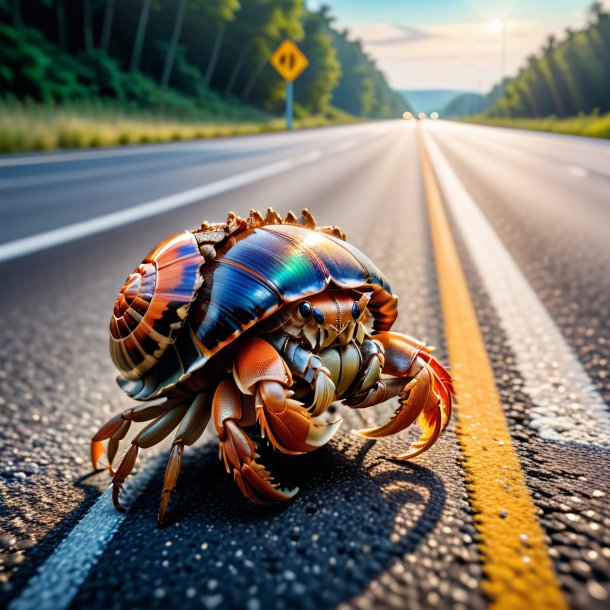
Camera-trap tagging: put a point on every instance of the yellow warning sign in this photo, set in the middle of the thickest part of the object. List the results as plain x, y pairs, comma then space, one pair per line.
289, 60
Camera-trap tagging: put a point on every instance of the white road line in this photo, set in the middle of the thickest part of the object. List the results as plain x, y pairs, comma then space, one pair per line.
55, 237
58, 579
345, 146
567, 408
86, 155
59, 176
594, 145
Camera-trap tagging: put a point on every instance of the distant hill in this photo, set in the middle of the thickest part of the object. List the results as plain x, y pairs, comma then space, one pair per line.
430, 100
469, 103
465, 104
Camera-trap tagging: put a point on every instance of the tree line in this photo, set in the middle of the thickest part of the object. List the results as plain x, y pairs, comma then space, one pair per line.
568, 76
156, 52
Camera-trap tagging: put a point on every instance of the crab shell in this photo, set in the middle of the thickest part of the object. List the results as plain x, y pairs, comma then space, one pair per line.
153, 303
254, 274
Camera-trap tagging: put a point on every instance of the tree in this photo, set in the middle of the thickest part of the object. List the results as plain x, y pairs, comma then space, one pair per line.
107, 27
16, 12
223, 12
568, 77
263, 24
171, 54
138, 43
596, 12
316, 84
87, 26
60, 17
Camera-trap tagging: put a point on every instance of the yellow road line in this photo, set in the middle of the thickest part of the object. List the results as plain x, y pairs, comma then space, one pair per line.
517, 567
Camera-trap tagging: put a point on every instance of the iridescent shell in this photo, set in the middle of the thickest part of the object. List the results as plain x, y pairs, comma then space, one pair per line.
256, 270
153, 304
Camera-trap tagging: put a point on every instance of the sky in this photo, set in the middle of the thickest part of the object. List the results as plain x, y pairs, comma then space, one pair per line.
447, 44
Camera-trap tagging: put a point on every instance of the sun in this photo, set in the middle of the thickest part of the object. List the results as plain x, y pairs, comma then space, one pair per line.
496, 26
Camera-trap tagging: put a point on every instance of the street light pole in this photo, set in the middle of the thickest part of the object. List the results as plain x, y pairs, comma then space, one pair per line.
498, 26
503, 54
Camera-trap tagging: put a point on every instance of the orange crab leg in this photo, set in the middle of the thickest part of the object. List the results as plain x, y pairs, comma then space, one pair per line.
191, 428
426, 395
154, 433
259, 370
238, 451
116, 428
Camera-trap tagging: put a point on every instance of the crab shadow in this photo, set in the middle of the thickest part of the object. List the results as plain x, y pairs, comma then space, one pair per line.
356, 514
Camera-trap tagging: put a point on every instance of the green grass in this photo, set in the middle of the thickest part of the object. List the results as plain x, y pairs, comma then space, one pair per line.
592, 126
32, 127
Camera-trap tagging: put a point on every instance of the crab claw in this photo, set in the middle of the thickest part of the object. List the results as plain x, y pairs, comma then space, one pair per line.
287, 424
414, 398
238, 451
259, 370
418, 401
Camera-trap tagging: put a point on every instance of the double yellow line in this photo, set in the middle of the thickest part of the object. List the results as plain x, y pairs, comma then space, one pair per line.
517, 567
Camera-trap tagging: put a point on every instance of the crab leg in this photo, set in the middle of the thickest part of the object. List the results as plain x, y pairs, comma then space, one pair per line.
154, 433
423, 386
260, 371
191, 428
238, 451
117, 427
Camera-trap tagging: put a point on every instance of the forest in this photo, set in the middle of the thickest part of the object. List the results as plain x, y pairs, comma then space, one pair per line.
566, 78
186, 59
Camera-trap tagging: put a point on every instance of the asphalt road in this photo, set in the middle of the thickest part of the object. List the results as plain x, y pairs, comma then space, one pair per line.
364, 532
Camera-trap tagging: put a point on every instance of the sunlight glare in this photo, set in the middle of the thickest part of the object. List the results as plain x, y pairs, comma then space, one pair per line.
496, 26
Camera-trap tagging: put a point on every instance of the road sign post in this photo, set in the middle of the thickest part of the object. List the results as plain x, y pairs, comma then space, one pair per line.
289, 93
289, 61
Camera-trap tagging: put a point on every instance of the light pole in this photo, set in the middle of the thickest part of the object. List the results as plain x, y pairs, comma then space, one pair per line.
498, 26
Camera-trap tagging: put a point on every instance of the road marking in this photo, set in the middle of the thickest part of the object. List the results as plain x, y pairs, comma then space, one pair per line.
595, 145
58, 579
345, 146
518, 570
579, 172
79, 230
86, 155
567, 407
58, 176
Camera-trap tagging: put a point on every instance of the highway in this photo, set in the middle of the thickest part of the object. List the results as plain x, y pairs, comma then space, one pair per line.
529, 216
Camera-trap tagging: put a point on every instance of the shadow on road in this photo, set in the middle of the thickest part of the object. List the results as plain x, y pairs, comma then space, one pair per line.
357, 513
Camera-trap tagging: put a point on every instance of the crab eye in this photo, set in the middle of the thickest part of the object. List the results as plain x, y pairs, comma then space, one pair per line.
355, 310
305, 309
318, 315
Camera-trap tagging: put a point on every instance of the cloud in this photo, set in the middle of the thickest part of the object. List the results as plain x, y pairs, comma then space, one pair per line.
404, 35
386, 34
462, 55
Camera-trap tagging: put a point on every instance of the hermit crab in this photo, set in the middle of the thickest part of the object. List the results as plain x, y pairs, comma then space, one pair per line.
261, 321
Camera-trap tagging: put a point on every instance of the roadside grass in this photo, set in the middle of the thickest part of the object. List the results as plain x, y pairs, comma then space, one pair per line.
592, 126
28, 126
